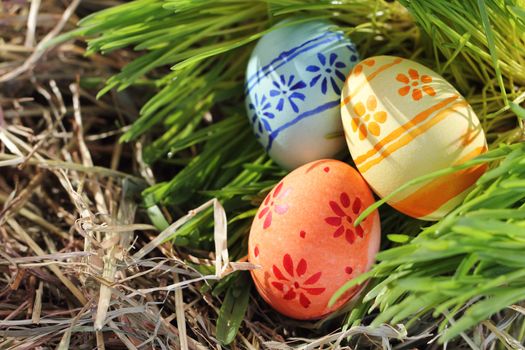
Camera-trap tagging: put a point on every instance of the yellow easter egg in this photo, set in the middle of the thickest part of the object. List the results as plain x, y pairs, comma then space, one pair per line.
402, 120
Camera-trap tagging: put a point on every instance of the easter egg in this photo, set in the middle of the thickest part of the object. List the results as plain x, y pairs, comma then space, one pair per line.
293, 85
403, 121
304, 242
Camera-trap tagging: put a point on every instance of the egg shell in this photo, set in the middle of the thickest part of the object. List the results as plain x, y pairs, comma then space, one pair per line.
304, 241
402, 121
293, 86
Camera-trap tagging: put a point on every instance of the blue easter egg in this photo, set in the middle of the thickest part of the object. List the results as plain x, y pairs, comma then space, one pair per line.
293, 85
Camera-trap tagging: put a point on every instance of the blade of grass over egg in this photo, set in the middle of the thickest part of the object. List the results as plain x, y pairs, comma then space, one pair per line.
482, 252
489, 156
352, 283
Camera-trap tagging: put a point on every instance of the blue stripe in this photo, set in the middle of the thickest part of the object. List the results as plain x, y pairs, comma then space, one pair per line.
300, 117
283, 55
287, 57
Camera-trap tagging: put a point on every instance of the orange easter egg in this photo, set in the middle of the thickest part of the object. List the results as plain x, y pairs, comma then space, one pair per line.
304, 242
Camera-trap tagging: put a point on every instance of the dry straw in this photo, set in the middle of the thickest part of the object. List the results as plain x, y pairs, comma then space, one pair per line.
142, 244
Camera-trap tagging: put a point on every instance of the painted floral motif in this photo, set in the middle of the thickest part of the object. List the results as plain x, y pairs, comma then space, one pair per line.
412, 82
261, 108
343, 220
272, 204
353, 50
293, 283
328, 70
287, 91
368, 118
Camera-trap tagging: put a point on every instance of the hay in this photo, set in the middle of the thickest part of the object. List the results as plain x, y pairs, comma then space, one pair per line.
80, 264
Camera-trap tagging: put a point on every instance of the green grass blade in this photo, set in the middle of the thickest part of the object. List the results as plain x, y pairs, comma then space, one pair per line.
233, 309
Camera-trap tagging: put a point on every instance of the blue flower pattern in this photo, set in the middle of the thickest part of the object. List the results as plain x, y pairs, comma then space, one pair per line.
353, 55
328, 70
286, 90
261, 113
284, 94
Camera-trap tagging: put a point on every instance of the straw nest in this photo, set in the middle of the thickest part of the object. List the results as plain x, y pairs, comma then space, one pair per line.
124, 218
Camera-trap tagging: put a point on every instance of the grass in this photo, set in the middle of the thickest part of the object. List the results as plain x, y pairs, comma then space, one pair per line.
183, 62
466, 267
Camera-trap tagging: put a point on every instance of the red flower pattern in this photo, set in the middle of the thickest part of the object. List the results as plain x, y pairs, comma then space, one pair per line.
293, 285
343, 221
272, 205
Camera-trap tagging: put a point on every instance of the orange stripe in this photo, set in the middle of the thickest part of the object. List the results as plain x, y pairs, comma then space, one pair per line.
429, 198
412, 134
369, 78
399, 131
